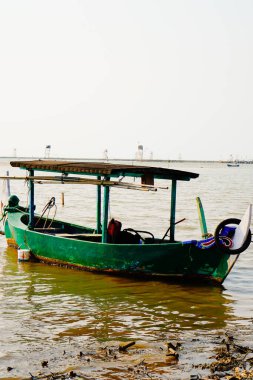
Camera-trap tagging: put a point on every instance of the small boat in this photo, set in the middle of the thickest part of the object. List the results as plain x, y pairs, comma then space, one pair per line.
107, 247
233, 163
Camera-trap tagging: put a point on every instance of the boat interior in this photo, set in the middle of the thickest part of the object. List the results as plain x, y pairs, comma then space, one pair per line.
71, 231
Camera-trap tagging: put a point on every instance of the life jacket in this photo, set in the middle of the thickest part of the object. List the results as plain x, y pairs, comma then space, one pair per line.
113, 230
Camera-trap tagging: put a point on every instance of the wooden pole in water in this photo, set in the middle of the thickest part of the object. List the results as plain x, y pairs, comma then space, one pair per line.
62, 199
8, 184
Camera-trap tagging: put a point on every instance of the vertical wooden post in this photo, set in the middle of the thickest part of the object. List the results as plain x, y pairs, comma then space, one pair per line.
105, 211
31, 201
99, 207
62, 199
173, 209
8, 184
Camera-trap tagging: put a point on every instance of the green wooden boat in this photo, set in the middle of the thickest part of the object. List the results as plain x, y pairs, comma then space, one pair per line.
108, 248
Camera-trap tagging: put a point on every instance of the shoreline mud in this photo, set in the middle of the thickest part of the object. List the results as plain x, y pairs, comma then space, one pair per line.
225, 356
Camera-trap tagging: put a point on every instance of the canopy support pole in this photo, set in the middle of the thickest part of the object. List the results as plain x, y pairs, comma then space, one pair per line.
99, 207
173, 209
31, 201
105, 214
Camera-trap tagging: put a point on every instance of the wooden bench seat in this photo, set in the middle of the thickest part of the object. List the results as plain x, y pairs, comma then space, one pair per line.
94, 238
50, 229
81, 234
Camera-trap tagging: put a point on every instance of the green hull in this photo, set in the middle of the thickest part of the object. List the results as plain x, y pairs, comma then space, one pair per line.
162, 259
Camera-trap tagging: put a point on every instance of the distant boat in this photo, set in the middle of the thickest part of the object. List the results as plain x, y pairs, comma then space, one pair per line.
232, 163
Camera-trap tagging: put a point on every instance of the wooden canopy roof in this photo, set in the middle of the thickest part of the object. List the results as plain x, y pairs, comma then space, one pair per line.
104, 169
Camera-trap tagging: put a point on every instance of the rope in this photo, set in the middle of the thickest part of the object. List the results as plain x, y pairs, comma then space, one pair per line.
3, 215
55, 210
50, 204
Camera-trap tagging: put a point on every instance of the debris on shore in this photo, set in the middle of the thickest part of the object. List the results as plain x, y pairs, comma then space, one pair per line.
232, 361
124, 347
143, 361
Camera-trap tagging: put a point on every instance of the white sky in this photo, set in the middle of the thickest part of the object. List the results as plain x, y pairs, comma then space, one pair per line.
84, 75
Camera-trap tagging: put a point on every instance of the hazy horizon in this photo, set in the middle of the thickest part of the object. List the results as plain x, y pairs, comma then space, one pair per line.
133, 159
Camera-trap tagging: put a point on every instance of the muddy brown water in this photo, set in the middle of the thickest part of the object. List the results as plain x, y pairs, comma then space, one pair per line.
75, 321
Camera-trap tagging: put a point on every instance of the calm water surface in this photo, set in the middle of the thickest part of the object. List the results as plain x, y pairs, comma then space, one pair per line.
51, 313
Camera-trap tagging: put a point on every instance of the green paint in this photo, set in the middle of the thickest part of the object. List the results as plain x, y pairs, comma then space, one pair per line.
99, 207
83, 247
173, 209
105, 212
202, 218
31, 201
158, 259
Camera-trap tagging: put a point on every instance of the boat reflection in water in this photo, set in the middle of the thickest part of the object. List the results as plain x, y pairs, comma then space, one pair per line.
72, 303
47, 310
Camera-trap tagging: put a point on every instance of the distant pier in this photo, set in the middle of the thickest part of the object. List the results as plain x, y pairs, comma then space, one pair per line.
11, 158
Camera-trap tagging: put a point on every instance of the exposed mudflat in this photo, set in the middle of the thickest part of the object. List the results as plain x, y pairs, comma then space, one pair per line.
224, 357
